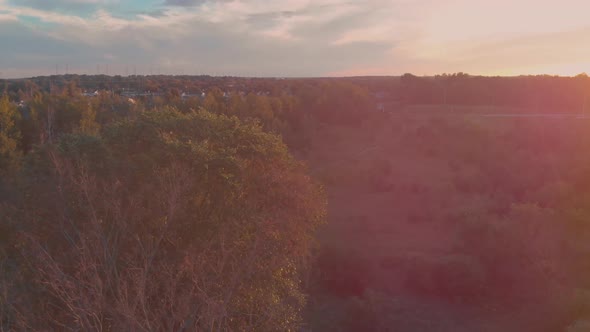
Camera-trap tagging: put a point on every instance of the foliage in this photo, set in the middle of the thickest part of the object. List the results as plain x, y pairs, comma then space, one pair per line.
180, 207
9, 135
170, 221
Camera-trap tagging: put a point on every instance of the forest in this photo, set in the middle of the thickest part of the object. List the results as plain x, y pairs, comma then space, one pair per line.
197, 203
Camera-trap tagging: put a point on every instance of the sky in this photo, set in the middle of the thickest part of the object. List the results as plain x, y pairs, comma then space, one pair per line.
298, 38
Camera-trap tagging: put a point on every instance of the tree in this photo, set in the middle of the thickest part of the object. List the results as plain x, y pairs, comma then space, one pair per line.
88, 124
260, 108
215, 101
9, 135
343, 103
170, 222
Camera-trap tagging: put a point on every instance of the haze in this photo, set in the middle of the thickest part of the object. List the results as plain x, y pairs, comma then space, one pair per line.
329, 165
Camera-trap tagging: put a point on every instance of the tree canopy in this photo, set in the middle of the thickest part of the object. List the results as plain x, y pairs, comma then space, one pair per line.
169, 221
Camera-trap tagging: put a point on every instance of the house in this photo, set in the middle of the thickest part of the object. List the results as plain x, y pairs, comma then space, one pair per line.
185, 95
90, 94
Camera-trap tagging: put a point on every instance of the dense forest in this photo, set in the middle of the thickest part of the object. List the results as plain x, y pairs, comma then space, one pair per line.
178, 203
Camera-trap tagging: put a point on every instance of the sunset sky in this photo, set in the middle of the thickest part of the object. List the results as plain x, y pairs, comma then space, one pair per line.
294, 37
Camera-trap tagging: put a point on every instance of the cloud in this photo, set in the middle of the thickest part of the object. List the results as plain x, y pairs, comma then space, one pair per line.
7, 17
185, 3
192, 3
292, 37
23, 46
527, 53
62, 4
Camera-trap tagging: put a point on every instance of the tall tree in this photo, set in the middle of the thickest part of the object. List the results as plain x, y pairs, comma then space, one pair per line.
170, 222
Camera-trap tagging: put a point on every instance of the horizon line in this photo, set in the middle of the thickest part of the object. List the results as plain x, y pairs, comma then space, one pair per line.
583, 74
